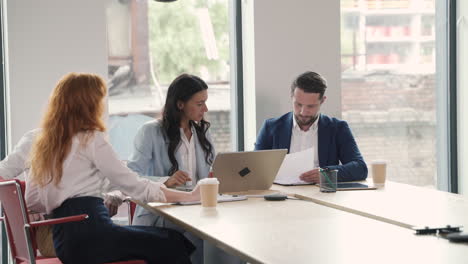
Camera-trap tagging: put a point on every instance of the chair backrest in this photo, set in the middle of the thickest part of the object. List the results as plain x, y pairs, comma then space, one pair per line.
131, 211
16, 221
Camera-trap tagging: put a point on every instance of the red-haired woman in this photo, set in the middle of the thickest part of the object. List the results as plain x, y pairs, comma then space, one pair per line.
72, 165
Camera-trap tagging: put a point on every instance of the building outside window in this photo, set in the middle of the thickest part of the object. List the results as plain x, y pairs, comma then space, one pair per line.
389, 84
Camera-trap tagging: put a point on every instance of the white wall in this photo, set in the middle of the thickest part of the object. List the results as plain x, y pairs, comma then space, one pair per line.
44, 40
287, 38
462, 84
248, 52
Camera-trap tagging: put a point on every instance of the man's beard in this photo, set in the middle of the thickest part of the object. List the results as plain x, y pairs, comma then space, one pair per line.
307, 122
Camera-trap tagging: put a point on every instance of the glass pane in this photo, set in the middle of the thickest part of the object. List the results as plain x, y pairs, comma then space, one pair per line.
150, 43
388, 84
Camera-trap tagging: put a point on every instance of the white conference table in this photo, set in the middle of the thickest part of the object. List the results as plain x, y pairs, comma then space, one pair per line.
400, 204
298, 231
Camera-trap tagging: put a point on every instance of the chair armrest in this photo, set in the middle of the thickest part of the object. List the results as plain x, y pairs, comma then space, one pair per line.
54, 221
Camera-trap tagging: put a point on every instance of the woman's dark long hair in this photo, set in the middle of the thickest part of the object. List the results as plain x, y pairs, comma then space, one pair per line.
182, 89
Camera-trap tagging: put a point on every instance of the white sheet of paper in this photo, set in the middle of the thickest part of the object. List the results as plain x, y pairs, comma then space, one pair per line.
294, 165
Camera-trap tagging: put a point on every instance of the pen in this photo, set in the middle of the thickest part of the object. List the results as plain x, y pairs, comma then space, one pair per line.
324, 172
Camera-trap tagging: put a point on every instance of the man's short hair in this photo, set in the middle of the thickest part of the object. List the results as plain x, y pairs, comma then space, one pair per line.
310, 82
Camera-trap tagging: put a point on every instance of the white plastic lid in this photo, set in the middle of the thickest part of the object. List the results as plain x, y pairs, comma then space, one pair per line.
208, 181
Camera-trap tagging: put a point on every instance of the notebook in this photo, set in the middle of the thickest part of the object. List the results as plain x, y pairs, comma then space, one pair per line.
349, 186
293, 183
221, 198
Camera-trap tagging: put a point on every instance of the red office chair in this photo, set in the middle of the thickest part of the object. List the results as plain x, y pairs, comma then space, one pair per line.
131, 210
20, 230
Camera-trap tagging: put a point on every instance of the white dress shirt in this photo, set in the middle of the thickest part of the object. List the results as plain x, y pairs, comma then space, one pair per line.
17, 161
91, 169
302, 140
186, 151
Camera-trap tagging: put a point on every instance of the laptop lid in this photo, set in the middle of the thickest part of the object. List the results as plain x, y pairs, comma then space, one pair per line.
250, 170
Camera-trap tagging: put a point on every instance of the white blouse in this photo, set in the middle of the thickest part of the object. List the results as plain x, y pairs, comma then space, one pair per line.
16, 163
186, 151
91, 169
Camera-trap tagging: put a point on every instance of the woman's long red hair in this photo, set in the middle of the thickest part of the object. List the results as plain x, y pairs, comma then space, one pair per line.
76, 105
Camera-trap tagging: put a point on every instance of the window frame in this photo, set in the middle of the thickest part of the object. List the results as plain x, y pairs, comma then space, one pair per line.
237, 76
446, 64
452, 68
3, 141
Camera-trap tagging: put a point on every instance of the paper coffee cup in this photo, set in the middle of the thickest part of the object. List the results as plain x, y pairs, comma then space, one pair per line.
209, 192
379, 172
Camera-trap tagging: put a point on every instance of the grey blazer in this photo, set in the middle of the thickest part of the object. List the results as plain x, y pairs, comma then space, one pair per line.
150, 160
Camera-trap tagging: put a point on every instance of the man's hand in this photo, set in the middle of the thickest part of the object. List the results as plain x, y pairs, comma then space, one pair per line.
178, 178
310, 176
112, 201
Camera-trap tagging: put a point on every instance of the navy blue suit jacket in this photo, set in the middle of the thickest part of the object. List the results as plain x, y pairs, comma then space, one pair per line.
335, 144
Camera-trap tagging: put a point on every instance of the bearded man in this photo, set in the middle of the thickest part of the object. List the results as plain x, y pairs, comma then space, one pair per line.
305, 127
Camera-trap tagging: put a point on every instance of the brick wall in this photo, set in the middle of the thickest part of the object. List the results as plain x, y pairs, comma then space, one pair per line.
393, 117
220, 129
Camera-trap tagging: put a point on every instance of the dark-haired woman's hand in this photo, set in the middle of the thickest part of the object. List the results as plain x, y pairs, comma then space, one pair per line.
178, 178
196, 193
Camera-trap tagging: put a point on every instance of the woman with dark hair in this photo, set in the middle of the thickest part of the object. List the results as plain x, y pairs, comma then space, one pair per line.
177, 149
72, 164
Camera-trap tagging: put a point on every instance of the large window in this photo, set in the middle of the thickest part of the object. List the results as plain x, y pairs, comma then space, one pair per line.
150, 43
389, 84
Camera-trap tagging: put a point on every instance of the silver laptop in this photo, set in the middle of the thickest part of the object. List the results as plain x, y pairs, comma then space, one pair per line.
250, 170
